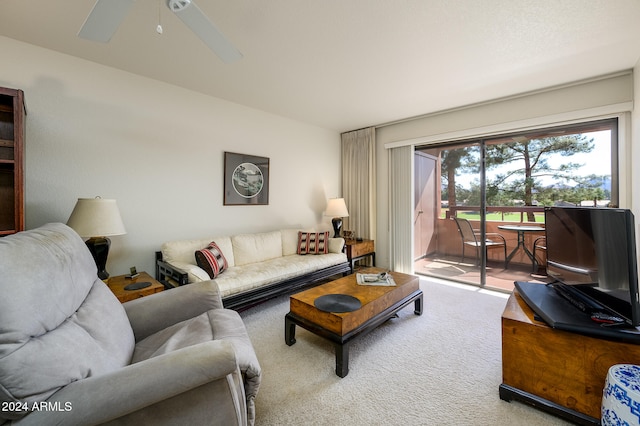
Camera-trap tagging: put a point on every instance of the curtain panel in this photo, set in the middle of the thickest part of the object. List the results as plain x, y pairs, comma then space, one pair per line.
400, 209
359, 181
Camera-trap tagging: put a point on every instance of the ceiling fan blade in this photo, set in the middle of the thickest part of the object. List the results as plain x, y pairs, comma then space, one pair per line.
104, 19
206, 30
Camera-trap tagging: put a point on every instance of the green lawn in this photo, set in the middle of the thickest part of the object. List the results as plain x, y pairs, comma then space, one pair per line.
496, 216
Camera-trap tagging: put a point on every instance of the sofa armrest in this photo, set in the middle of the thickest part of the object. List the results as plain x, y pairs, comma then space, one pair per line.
165, 273
107, 397
158, 311
336, 245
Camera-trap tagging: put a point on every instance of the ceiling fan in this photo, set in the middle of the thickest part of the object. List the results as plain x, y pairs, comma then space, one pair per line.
106, 16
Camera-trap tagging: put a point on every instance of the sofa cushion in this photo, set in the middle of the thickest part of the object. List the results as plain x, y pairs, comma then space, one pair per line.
216, 324
336, 245
60, 323
182, 251
290, 240
211, 260
181, 335
253, 248
240, 279
313, 242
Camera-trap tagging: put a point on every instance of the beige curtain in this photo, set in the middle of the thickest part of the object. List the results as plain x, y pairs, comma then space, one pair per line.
400, 209
359, 181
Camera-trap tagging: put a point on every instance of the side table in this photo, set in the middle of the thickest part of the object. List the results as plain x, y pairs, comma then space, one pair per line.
118, 283
357, 250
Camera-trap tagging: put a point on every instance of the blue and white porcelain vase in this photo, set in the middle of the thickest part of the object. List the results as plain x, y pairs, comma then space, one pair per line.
621, 396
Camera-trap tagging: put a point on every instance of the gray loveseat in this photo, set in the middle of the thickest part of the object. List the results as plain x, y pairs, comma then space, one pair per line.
70, 353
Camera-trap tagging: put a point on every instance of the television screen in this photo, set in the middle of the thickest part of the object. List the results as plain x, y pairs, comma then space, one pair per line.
593, 251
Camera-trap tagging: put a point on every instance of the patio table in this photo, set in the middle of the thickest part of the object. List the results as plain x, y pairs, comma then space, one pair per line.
521, 230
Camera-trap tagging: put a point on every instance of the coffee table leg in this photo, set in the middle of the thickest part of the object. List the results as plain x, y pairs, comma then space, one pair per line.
342, 359
289, 331
418, 306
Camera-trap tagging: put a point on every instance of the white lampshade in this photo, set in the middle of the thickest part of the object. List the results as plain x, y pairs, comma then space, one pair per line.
96, 217
336, 208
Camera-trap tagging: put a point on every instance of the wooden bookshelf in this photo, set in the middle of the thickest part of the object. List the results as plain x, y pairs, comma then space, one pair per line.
12, 116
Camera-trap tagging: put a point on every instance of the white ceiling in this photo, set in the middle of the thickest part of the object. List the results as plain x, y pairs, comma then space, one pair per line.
347, 64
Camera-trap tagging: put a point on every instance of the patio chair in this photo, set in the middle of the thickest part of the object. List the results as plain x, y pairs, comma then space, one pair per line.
471, 238
540, 243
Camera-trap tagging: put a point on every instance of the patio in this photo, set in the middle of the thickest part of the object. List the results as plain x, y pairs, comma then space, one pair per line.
498, 278
444, 259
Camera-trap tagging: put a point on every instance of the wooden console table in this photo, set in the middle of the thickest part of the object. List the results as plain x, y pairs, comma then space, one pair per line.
556, 371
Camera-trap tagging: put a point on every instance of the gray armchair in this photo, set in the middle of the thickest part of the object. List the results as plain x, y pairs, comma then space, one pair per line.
70, 353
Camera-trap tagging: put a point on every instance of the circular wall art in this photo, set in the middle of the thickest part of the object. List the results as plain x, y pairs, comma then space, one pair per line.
247, 180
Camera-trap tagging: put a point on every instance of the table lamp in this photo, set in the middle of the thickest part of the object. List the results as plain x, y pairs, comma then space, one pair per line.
96, 219
337, 209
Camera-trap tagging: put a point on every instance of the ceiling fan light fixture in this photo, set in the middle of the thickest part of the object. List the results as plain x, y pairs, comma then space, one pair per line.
106, 16
178, 5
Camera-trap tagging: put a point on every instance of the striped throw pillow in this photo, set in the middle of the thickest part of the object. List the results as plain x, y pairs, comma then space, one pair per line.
211, 260
313, 242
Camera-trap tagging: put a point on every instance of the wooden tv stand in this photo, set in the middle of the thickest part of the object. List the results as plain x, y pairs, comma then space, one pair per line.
556, 371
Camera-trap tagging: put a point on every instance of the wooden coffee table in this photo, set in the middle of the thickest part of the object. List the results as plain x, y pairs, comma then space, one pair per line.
379, 303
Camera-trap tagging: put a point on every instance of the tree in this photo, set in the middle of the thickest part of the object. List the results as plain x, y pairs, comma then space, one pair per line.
533, 155
453, 161
589, 188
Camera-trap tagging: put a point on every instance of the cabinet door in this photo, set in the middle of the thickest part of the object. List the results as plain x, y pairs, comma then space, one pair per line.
11, 161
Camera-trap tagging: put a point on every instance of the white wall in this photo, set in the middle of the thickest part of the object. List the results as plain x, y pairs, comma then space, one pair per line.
158, 150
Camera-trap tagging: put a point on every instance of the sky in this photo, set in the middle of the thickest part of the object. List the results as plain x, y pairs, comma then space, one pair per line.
596, 162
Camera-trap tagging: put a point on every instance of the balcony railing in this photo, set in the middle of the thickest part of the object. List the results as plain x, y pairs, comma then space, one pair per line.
523, 210
446, 239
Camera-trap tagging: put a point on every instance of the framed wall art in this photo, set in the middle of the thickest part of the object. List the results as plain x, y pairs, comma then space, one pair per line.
246, 179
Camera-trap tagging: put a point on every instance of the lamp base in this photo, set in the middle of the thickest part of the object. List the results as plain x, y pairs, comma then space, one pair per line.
337, 225
99, 248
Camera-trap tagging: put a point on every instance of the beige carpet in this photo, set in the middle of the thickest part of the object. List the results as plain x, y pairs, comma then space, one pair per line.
441, 368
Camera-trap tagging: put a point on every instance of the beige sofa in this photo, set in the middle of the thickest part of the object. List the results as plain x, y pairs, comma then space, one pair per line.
260, 266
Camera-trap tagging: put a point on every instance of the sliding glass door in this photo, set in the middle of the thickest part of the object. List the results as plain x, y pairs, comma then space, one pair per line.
487, 225
455, 185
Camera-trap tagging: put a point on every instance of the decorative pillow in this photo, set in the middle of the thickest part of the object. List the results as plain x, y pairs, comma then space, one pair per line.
313, 242
211, 260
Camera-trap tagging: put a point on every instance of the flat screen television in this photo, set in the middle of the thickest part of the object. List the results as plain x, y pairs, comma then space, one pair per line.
591, 254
